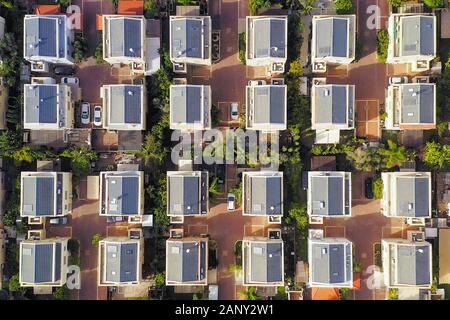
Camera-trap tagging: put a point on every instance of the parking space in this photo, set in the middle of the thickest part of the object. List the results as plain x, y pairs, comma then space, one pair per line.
367, 119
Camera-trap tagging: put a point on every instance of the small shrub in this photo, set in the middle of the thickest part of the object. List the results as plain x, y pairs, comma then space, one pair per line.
242, 47
61, 293
382, 43
98, 54
344, 7
434, 3
295, 68
396, 3
96, 238
393, 294
343, 293
377, 187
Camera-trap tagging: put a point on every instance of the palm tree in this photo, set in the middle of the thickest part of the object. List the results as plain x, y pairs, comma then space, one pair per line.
214, 188
394, 155
250, 294
308, 6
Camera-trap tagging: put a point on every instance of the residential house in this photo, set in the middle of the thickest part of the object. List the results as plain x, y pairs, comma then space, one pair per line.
45, 194
43, 262
124, 107
187, 262
266, 107
329, 194
119, 261
407, 195
47, 39
187, 194
190, 107
127, 41
332, 110
333, 41
122, 194
266, 40
262, 261
190, 40
407, 263
330, 263
412, 40
411, 106
262, 194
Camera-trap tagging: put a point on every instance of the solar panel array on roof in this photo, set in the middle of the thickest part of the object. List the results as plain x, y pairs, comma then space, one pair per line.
266, 262
331, 35
418, 104
126, 37
413, 196
126, 104
186, 259
269, 37
327, 194
333, 103
269, 104
123, 195
184, 195
418, 35
36, 263
266, 197
413, 264
186, 104
186, 35
331, 262
41, 104
121, 262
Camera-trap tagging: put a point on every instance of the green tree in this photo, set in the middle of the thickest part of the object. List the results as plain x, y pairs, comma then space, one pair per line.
79, 45
151, 9
382, 45
234, 267
396, 3
152, 150
237, 191
6, 4
436, 155
242, 47
434, 3
98, 53
364, 159
377, 187
254, 5
308, 6
10, 142
298, 214
295, 68
250, 294
96, 238
393, 294
61, 293
394, 155
344, 7
81, 158
160, 279
14, 283
214, 188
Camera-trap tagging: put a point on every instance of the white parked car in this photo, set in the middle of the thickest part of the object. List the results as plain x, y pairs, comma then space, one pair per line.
98, 116
256, 83
62, 220
398, 80
231, 199
70, 80
85, 113
234, 110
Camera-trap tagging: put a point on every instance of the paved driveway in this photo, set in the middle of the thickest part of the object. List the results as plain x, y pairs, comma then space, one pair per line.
365, 228
85, 223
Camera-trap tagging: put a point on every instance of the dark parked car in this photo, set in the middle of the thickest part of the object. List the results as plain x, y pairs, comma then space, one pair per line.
64, 71
369, 188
